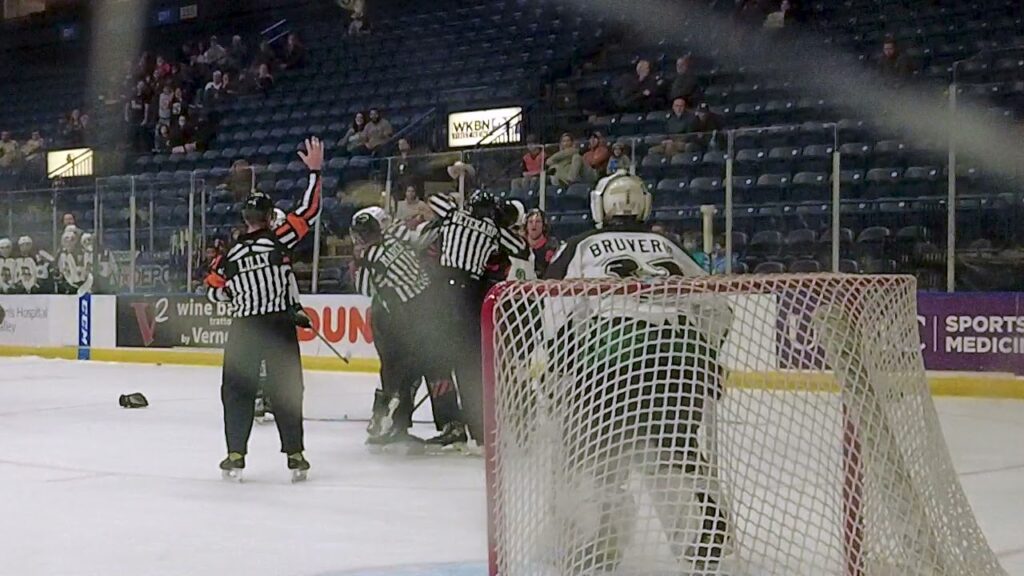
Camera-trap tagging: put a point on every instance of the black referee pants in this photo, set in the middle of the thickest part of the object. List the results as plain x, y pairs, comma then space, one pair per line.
270, 338
411, 350
465, 298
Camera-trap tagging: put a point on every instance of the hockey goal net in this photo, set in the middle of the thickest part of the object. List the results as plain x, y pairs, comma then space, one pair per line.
741, 425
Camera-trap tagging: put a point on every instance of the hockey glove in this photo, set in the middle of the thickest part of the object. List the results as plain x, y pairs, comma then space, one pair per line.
301, 319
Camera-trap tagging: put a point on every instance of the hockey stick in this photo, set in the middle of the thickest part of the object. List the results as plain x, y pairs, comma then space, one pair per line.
344, 359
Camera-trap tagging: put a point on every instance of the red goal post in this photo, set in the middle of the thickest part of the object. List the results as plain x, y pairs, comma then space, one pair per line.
823, 450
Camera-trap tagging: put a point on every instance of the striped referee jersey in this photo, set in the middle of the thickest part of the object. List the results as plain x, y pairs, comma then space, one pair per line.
256, 275
467, 242
391, 270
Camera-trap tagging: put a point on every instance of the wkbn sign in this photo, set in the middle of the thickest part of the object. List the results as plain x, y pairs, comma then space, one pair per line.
477, 127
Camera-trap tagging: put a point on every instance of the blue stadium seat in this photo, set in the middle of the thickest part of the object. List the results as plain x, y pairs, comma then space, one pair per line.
749, 161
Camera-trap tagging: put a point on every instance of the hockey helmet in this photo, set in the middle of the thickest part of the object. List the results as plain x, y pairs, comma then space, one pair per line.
25, 243
5, 247
620, 195
257, 207
369, 223
87, 244
512, 214
483, 204
279, 218
69, 238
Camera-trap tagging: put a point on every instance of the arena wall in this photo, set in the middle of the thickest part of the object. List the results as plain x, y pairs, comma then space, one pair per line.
972, 343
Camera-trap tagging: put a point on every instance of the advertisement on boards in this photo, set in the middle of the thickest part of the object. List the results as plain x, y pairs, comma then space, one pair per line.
25, 320
185, 321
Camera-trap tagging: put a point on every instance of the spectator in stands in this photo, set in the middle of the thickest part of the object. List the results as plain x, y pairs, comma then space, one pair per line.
72, 132
412, 210
778, 19
532, 166
216, 55
892, 63
179, 105
238, 53
595, 160
294, 53
162, 68
639, 92
136, 110
9, 152
708, 121
85, 133
692, 245
240, 180
619, 159
265, 80
163, 139
214, 90
267, 55
378, 131
354, 137
566, 165
67, 219
406, 166
164, 104
681, 121
543, 245
33, 151
182, 138
686, 84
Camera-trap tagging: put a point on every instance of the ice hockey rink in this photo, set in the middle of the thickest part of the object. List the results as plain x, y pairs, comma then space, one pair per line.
89, 488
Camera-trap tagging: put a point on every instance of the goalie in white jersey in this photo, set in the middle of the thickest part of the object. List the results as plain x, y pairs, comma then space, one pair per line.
640, 378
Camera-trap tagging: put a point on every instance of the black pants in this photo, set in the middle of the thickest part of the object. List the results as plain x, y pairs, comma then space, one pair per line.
270, 338
411, 349
464, 297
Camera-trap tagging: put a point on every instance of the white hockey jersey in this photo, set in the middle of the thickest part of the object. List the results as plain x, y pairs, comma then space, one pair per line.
621, 253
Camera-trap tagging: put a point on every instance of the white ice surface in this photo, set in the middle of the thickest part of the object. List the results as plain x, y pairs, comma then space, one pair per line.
88, 488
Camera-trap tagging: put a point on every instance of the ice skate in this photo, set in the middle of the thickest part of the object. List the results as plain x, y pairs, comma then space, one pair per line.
374, 428
400, 443
299, 466
452, 438
231, 467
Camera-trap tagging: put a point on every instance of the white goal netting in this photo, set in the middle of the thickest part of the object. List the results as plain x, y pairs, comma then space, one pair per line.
726, 425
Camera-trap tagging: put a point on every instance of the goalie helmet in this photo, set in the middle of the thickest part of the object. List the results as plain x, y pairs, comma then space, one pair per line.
620, 195
5, 247
369, 223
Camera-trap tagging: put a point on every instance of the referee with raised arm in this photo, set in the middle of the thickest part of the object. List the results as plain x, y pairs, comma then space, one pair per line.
256, 278
468, 238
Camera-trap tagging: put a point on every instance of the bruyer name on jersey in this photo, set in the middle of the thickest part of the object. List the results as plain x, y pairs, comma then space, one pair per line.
254, 262
628, 246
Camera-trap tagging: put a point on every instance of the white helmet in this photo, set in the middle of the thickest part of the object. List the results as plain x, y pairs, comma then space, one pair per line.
25, 243
620, 195
87, 242
520, 213
278, 219
69, 238
5, 247
370, 221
